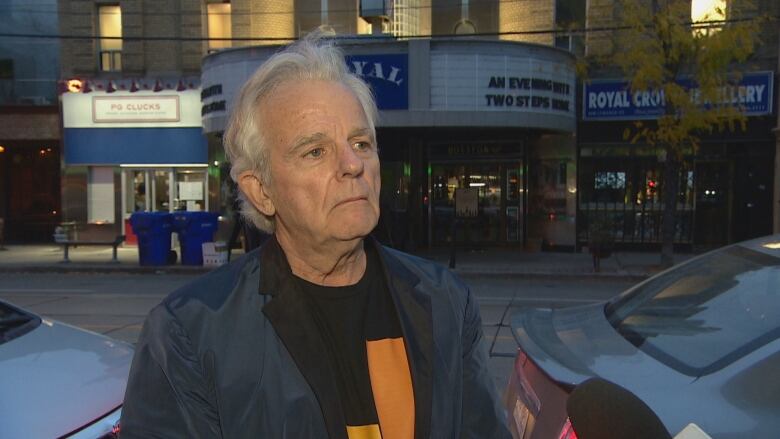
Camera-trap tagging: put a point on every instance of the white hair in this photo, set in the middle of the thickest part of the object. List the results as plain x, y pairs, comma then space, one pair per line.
312, 58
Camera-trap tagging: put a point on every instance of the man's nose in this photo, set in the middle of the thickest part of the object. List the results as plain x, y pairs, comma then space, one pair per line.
350, 163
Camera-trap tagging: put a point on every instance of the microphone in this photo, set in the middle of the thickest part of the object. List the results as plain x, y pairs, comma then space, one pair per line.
599, 409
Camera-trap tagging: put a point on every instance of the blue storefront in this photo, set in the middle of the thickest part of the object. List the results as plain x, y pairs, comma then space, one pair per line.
726, 186
132, 146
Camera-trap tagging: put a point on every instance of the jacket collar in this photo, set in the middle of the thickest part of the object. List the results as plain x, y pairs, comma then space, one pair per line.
288, 312
289, 315
413, 307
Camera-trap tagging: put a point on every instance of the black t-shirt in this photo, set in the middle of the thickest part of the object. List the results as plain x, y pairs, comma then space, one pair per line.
340, 313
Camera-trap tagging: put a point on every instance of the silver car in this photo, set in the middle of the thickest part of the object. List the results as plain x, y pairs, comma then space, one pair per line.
57, 380
699, 343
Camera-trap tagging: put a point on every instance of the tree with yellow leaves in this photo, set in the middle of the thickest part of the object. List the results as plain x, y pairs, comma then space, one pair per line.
662, 45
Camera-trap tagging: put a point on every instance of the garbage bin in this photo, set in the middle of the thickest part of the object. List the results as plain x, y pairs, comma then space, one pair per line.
154, 237
194, 228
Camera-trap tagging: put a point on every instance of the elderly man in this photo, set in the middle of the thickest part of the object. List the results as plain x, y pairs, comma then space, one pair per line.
322, 332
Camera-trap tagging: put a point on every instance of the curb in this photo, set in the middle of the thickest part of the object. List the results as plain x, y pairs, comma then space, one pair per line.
103, 269
542, 275
471, 274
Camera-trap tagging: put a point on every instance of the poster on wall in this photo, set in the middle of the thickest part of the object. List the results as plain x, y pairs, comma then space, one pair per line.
190, 190
466, 205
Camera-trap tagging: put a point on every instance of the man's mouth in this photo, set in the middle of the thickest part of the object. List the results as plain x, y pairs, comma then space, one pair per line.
351, 200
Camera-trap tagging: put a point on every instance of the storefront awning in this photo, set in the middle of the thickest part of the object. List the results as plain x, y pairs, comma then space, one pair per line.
115, 146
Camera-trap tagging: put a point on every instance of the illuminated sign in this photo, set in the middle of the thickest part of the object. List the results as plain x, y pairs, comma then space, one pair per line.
115, 109
614, 100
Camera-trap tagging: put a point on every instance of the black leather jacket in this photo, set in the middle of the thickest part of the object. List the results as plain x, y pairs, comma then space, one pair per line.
234, 355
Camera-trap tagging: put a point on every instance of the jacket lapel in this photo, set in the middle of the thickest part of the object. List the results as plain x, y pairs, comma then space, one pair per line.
414, 314
289, 314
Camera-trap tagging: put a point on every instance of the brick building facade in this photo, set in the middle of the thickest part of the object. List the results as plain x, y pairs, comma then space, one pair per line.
163, 44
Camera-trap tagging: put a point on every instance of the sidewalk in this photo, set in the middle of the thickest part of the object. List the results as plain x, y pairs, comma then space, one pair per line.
491, 262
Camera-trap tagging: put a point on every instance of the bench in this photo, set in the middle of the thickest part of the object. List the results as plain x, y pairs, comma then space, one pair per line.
66, 243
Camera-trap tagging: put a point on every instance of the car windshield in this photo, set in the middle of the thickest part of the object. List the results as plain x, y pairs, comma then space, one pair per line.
14, 322
705, 314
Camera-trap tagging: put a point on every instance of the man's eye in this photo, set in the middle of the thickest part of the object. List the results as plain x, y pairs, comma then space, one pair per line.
362, 146
315, 153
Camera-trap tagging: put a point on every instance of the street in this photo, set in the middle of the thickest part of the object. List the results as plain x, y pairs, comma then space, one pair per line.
116, 304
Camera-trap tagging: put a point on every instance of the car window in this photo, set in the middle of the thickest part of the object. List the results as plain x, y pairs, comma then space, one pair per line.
15, 322
705, 314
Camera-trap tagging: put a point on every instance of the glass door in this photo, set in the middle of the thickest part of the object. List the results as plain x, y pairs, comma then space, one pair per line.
134, 186
144, 190
486, 179
515, 200
445, 179
162, 200
500, 200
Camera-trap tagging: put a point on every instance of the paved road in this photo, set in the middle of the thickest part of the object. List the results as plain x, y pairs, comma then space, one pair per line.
116, 304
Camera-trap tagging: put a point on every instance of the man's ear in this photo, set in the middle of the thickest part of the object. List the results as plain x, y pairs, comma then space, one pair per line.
256, 192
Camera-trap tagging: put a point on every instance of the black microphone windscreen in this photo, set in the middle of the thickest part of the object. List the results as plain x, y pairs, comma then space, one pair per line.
599, 409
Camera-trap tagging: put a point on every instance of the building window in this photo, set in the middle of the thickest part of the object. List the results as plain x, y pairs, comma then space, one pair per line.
623, 185
406, 18
110, 43
570, 16
704, 13
219, 26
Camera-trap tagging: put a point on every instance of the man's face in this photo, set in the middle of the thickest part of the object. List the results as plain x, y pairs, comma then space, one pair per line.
324, 165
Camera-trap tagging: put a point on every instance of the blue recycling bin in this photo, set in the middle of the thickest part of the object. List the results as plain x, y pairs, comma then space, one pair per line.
194, 228
153, 230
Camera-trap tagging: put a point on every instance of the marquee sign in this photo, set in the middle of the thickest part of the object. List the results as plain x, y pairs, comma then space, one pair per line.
477, 82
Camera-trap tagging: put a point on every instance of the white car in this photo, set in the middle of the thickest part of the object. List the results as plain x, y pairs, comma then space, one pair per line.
698, 343
57, 380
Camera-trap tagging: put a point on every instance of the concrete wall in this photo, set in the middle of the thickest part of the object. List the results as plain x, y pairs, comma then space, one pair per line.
529, 15
599, 14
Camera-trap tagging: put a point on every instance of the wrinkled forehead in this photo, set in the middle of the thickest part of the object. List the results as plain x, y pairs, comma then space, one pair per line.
295, 98
302, 113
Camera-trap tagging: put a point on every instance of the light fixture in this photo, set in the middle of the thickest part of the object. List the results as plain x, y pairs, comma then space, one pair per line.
85, 88
181, 86
158, 86
110, 87
216, 163
75, 85
2, 149
133, 86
